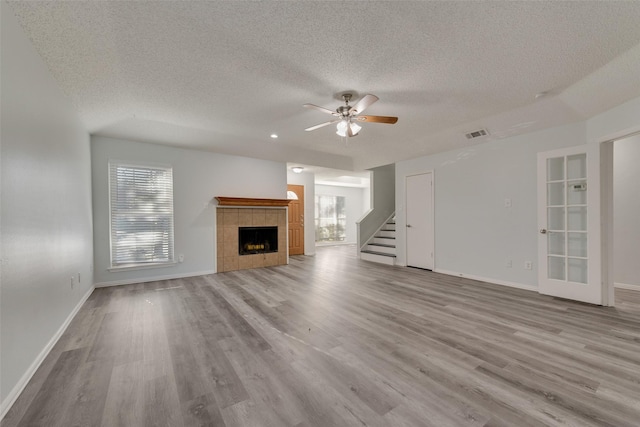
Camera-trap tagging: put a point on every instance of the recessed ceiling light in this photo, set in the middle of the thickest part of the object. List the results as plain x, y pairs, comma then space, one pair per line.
274, 136
297, 169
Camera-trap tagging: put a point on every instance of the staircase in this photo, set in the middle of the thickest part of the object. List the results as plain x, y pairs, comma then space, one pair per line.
382, 246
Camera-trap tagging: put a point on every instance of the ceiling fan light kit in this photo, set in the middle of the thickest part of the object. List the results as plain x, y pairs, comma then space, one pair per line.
347, 116
347, 128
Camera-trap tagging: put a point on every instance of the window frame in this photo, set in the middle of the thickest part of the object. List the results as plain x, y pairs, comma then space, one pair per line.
136, 264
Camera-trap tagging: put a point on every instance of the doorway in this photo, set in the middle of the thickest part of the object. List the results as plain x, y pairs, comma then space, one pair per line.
296, 221
420, 229
623, 206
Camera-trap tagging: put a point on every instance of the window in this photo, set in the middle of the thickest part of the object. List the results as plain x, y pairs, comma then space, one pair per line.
141, 208
331, 218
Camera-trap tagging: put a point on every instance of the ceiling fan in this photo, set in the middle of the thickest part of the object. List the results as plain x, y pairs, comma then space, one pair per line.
347, 116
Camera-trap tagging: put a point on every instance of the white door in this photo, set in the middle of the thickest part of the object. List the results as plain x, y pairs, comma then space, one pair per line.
419, 209
567, 200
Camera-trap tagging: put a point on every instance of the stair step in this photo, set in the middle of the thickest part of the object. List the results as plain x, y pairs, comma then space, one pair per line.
386, 233
367, 251
381, 248
383, 241
378, 257
385, 245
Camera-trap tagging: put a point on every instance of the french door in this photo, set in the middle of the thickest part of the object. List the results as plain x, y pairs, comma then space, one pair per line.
568, 257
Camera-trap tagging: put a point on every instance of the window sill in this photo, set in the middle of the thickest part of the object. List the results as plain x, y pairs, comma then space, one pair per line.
142, 266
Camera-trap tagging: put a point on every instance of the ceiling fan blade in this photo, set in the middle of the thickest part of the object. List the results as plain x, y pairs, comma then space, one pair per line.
322, 125
324, 110
377, 119
365, 102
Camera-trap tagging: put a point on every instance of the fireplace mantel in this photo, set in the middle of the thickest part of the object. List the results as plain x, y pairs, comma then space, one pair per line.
251, 202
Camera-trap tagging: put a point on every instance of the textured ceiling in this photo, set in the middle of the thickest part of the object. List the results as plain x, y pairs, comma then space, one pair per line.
223, 76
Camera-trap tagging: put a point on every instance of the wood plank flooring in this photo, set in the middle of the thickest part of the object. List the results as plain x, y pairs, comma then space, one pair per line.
334, 341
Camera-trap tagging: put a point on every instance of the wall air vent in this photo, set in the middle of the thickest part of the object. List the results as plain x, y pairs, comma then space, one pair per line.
477, 133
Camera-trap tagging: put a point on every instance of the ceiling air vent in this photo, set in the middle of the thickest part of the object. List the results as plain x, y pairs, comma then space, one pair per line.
477, 133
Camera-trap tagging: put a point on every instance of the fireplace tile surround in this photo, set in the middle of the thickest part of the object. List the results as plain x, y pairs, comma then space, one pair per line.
229, 219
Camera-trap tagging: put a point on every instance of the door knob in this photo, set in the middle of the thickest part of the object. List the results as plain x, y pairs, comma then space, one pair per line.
408, 225
543, 231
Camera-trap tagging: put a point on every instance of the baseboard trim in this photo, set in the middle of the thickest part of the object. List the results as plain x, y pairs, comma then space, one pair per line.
22, 383
627, 286
488, 280
152, 279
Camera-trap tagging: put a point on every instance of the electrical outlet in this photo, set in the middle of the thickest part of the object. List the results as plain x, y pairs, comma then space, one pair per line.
507, 203
509, 264
181, 258
528, 265
72, 282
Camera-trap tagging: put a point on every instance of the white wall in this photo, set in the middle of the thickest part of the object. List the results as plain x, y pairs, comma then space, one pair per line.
615, 123
354, 199
46, 210
626, 210
307, 179
198, 177
475, 234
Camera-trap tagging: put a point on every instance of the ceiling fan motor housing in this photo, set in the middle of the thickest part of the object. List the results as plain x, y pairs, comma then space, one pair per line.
343, 110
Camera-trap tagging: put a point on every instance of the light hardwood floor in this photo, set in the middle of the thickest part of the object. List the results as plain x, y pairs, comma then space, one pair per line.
334, 341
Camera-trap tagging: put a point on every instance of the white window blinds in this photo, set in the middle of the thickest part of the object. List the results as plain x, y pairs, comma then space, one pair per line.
141, 215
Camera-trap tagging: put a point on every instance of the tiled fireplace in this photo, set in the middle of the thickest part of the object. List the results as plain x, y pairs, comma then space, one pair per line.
257, 221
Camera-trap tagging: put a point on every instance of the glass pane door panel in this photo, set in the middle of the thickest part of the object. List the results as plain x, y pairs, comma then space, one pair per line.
577, 193
555, 220
556, 267
555, 194
566, 225
577, 244
577, 166
578, 270
555, 169
577, 219
556, 243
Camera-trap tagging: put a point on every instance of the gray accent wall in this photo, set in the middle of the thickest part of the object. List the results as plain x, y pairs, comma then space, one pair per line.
383, 201
46, 225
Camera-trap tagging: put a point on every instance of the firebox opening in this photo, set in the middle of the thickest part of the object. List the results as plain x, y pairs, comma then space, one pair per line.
257, 240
